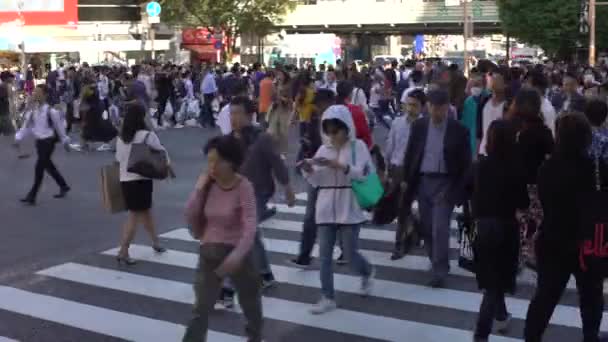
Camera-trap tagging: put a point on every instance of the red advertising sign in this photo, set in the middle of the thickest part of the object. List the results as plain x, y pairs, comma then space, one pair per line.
41, 12
193, 36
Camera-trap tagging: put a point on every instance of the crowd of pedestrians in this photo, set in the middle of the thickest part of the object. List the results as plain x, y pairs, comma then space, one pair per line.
516, 147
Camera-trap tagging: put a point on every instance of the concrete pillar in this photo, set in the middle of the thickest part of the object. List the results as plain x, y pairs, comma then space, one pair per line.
393, 46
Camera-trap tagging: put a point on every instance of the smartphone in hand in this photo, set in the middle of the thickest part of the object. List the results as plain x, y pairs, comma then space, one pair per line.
320, 161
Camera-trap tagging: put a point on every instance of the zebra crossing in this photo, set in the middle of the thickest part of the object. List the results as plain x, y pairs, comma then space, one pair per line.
94, 299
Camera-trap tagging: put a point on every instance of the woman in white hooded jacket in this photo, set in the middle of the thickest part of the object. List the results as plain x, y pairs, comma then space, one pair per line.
341, 160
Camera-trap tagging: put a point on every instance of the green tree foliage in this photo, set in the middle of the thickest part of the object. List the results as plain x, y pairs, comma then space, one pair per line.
551, 24
233, 17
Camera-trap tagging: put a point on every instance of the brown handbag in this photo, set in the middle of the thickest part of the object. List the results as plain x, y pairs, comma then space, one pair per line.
148, 162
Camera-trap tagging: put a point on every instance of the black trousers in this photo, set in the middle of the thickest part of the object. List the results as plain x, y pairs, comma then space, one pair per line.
162, 104
309, 227
45, 149
492, 307
69, 117
553, 275
207, 115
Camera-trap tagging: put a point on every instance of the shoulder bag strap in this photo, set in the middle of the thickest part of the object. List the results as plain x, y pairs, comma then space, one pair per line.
353, 145
146, 138
50, 122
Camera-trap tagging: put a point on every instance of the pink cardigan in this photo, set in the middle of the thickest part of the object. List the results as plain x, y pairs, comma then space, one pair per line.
227, 216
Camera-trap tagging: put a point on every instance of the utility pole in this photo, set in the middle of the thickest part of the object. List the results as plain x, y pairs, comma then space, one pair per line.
592, 32
152, 32
22, 54
467, 33
591, 19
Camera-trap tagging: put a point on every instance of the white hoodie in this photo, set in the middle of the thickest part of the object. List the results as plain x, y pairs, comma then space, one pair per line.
336, 202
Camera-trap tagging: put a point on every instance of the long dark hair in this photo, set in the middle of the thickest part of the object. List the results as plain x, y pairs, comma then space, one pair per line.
301, 85
573, 136
501, 140
135, 120
526, 109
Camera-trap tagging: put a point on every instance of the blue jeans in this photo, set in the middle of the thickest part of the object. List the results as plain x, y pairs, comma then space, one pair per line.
350, 240
380, 113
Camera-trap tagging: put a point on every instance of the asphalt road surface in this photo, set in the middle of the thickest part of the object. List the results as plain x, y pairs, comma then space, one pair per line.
59, 280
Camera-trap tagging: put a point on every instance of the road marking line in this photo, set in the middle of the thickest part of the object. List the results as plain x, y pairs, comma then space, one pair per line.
410, 262
365, 233
303, 196
301, 210
99, 320
344, 321
6, 339
447, 298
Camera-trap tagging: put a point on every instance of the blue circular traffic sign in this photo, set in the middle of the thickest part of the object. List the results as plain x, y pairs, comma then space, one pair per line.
153, 9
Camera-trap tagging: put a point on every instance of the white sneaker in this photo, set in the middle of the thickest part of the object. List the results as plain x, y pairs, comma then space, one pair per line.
104, 148
178, 126
76, 147
323, 306
367, 283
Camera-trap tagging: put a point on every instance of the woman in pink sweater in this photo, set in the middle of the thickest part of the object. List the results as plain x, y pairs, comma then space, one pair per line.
226, 227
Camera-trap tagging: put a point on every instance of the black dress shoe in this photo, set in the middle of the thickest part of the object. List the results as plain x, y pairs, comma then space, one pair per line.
437, 283
397, 255
62, 193
28, 201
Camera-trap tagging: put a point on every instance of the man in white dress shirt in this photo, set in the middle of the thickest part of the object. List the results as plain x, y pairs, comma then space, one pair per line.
396, 145
223, 118
46, 125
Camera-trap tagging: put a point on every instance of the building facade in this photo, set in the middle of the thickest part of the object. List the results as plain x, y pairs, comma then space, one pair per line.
106, 31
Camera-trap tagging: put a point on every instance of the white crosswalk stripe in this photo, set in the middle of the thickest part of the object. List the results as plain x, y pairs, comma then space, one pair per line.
342, 320
6, 339
460, 300
100, 320
162, 283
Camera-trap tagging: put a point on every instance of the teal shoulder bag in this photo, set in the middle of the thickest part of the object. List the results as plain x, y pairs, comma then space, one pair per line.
368, 191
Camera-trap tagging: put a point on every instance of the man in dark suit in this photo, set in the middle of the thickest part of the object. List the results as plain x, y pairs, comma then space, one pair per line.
436, 166
569, 100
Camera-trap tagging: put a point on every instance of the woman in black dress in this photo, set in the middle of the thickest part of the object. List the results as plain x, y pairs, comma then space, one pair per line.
500, 189
137, 190
534, 144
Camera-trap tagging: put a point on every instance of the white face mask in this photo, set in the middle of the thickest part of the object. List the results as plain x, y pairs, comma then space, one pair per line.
476, 91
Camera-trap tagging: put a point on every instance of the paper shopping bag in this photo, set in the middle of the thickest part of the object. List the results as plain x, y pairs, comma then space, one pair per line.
111, 192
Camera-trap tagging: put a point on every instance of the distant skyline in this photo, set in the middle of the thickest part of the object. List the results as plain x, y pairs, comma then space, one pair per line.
32, 5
